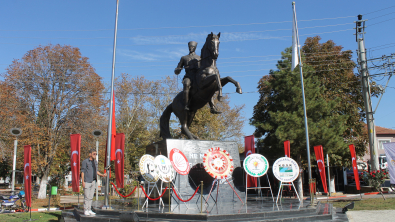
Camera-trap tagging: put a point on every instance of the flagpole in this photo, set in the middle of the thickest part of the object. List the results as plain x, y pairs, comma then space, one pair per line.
111, 105
304, 100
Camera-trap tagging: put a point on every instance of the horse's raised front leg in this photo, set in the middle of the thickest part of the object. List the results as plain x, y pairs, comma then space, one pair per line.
228, 79
209, 80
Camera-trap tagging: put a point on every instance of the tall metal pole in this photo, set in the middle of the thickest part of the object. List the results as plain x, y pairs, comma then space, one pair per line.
97, 176
14, 165
304, 100
374, 161
111, 105
329, 177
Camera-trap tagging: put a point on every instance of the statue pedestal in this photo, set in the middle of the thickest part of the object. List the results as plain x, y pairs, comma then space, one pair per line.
194, 150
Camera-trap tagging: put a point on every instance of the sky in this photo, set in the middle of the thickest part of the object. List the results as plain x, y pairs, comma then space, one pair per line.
153, 35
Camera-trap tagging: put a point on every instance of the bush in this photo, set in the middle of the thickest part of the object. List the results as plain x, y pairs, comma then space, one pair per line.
375, 178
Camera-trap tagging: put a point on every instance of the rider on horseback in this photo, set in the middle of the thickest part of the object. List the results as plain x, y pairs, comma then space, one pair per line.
191, 64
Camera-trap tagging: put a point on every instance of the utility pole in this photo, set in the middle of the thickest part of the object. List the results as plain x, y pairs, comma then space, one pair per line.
363, 69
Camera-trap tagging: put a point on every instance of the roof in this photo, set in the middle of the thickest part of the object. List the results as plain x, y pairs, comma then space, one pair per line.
382, 130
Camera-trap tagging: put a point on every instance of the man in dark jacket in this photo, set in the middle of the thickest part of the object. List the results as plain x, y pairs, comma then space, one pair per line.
89, 172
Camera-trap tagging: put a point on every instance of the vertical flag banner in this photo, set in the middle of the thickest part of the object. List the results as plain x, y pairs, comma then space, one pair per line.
28, 174
354, 165
389, 149
113, 131
75, 144
119, 158
319, 155
113, 135
295, 56
287, 149
249, 145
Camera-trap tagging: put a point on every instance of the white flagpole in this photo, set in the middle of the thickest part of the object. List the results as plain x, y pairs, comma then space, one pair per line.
295, 40
304, 100
111, 105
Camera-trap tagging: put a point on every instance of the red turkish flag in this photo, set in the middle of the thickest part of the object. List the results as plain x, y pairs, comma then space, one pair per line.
113, 130
27, 169
319, 155
75, 144
119, 158
287, 149
354, 165
113, 135
249, 145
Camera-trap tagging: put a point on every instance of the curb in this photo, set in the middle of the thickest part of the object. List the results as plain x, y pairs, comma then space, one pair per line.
51, 209
351, 195
42, 209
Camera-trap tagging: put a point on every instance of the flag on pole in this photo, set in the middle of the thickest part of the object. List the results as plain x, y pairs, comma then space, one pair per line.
389, 149
319, 155
113, 130
295, 56
28, 174
249, 145
113, 135
287, 149
75, 144
119, 161
354, 166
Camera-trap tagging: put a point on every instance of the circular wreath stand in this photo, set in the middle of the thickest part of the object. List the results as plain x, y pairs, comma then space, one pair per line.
262, 173
218, 164
180, 164
150, 177
285, 181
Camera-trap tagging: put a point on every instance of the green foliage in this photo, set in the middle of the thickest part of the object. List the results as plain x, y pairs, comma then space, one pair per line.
222, 127
5, 167
334, 105
375, 178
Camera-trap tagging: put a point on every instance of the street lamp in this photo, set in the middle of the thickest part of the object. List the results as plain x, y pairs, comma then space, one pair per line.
15, 132
97, 134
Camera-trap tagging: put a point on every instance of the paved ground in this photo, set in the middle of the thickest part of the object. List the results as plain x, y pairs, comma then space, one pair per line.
371, 215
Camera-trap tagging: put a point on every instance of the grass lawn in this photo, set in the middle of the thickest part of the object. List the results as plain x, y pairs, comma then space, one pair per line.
40, 216
367, 204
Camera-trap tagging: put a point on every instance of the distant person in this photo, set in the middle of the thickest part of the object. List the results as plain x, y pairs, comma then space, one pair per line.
89, 174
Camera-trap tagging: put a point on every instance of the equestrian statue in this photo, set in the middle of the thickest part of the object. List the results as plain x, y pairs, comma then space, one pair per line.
201, 81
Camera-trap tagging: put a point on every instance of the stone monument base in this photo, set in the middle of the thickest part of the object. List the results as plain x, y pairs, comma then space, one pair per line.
257, 209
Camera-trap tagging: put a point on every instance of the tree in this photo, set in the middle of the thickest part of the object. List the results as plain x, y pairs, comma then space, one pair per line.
222, 127
140, 103
59, 93
333, 102
335, 68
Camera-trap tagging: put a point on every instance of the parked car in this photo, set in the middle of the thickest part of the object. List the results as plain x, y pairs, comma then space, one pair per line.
351, 177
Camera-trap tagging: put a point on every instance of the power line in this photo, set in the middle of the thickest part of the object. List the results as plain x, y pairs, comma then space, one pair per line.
382, 15
379, 10
182, 43
167, 36
380, 22
207, 26
382, 45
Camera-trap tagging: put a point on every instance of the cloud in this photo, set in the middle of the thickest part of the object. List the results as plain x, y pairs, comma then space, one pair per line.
154, 55
169, 39
136, 55
201, 38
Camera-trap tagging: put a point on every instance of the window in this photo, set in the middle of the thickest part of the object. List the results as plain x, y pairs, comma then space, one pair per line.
381, 147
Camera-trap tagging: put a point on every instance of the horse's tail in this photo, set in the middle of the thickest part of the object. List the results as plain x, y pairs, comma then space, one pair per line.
164, 122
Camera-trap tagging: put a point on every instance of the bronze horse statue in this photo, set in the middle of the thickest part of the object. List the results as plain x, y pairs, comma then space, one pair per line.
207, 81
